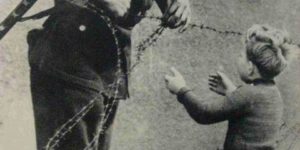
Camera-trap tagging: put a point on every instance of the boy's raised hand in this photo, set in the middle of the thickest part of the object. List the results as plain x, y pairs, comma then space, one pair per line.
220, 83
178, 14
176, 82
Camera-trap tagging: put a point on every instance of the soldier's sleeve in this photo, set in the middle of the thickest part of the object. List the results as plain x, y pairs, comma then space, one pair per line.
163, 4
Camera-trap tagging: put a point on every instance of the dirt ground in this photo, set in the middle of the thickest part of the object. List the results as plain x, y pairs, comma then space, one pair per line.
152, 119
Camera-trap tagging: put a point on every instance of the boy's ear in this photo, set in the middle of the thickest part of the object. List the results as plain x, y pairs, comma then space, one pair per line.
251, 68
253, 72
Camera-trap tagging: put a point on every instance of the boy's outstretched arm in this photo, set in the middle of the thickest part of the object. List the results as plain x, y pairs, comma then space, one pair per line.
210, 111
176, 13
206, 111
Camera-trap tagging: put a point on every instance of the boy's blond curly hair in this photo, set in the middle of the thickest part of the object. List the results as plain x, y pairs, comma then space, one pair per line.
268, 49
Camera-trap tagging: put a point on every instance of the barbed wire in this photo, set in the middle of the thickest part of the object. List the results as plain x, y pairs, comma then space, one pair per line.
153, 38
150, 41
69, 125
108, 107
199, 26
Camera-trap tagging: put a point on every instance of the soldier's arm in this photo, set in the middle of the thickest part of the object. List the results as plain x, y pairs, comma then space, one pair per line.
116, 9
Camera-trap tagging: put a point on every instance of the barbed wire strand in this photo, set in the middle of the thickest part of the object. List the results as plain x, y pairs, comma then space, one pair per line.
118, 74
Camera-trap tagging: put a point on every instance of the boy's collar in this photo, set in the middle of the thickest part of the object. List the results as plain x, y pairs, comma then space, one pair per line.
263, 81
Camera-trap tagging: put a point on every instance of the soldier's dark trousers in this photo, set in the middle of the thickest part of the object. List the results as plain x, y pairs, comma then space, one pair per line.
73, 58
56, 101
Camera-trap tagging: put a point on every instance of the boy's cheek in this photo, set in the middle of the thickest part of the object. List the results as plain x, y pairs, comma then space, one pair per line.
240, 67
239, 62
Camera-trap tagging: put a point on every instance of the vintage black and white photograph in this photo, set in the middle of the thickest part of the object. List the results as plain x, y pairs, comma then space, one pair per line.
149, 74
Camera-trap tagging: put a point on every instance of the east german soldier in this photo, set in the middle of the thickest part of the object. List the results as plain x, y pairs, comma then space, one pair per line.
74, 59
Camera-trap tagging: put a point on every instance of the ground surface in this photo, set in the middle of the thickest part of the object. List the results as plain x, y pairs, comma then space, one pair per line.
152, 119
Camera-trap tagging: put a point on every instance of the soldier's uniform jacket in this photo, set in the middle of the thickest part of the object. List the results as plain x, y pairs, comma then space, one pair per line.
76, 45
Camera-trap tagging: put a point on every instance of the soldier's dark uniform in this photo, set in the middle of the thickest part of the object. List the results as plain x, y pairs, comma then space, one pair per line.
73, 59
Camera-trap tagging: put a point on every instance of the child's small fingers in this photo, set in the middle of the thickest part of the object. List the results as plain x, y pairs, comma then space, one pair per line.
167, 78
175, 71
212, 78
214, 84
215, 78
215, 81
216, 75
211, 84
213, 89
221, 74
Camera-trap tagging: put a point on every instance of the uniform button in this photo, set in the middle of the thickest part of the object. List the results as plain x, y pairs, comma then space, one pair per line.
82, 28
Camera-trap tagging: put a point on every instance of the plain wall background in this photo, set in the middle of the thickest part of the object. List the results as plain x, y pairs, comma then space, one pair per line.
152, 119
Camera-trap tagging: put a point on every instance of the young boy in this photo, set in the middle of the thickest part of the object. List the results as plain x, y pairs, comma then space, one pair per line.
254, 110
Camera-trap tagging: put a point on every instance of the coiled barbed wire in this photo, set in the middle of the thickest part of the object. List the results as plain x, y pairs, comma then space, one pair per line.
108, 108
150, 41
68, 126
199, 26
153, 38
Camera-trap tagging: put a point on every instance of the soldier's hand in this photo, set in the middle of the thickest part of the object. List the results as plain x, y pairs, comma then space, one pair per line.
178, 14
118, 9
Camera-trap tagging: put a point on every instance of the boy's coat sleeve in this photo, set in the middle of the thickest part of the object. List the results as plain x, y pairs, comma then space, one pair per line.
216, 110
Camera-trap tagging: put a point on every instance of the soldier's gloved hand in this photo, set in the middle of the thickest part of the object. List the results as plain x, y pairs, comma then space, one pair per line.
178, 14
